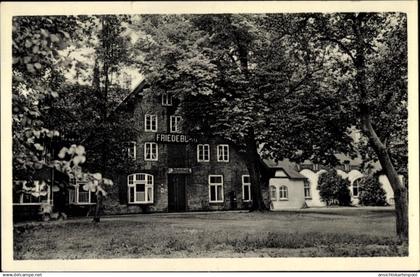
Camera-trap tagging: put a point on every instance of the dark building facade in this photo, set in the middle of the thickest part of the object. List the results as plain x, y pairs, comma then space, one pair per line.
174, 171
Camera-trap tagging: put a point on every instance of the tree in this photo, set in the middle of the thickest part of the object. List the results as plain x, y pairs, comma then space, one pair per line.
219, 66
374, 51
371, 192
39, 69
333, 189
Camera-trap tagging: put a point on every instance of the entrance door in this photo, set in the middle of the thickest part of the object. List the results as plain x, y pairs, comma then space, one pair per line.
176, 193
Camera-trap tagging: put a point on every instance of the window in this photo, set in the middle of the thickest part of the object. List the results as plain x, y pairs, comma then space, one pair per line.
150, 151
216, 188
283, 194
273, 193
140, 188
36, 194
355, 188
246, 188
150, 123
175, 123
307, 189
223, 153
131, 150
203, 152
79, 195
166, 99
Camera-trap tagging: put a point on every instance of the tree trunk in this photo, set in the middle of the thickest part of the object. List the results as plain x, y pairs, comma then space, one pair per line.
400, 191
252, 163
98, 207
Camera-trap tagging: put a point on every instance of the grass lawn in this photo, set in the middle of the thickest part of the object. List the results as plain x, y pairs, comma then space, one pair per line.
320, 233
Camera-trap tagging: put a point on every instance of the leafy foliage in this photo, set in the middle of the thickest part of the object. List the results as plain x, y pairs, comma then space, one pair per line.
371, 192
333, 189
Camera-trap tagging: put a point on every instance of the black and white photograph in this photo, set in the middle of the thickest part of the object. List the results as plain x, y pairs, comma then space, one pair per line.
183, 135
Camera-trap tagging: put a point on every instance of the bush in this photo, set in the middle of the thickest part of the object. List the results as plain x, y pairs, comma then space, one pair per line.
371, 192
333, 189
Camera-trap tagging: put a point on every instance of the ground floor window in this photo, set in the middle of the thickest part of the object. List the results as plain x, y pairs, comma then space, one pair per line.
355, 188
246, 188
25, 193
273, 193
140, 188
283, 193
307, 189
81, 195
216, 188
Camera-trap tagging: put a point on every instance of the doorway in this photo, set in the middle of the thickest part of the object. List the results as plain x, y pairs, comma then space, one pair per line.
176, 193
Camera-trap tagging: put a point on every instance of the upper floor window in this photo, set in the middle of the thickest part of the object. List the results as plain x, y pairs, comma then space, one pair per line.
166, 99
223, 153
131, 150
150, 123
283, 193
140, 188
175, 123
151, 151
307, 189
203, 152
216, 188
246, 188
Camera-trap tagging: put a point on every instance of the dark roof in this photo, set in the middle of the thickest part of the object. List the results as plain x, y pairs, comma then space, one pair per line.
290, 172
138, 90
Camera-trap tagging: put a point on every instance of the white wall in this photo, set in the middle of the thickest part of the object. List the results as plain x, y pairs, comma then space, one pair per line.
315, 200
296, 199
353, 175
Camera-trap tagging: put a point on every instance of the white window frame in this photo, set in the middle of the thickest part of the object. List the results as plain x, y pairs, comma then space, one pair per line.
216, 185
75, 198
166, 99
175, 123
141, 179
275, 193
222, 152
21, 196
203, 146
307, 187
283, 190
148, 146
249, 188
153, 123
132, 150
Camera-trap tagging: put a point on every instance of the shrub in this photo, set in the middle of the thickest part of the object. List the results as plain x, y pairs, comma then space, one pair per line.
371, 192
333, 189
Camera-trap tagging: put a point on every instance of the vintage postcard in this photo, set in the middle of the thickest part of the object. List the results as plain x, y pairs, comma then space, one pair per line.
209, 136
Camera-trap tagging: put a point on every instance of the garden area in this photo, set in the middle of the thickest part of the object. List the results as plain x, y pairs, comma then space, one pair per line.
323, 232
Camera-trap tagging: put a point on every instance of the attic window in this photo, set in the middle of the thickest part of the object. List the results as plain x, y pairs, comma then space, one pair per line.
166, 99
280, 173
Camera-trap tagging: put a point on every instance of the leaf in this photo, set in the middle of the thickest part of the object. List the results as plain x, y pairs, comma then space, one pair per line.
54, 38
37, 65
54, 94
97, 176
55, 188
38, 147
62, 152
28, 43
30, 68
35, 49
80, 150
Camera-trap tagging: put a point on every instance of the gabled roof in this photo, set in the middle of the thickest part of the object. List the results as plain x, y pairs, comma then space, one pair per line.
290, 172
